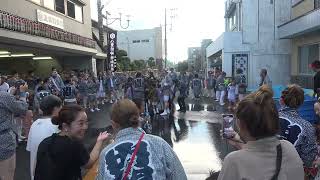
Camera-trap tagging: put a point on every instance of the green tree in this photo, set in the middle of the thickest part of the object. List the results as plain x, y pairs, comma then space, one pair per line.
140, 64
123, 62
151, 62
182, 66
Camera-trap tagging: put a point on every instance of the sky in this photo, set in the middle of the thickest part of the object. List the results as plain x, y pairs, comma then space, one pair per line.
194, 20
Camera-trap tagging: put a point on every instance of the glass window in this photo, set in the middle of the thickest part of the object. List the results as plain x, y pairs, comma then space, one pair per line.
317, 4
78, 13
36, 1
295, 2
49, 4
307, 54
71, 9
60, 6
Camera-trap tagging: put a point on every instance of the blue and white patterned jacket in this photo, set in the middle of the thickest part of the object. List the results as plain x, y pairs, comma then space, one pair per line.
300, 133
155, 158
9, 106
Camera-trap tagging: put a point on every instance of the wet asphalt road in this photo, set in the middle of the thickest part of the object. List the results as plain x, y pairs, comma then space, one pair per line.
194, 136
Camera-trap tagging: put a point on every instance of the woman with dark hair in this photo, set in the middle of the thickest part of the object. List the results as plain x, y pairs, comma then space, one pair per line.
61, 155
294, 128
133, 152
263, 156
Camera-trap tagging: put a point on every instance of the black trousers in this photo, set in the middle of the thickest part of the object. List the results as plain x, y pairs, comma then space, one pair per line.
182, 103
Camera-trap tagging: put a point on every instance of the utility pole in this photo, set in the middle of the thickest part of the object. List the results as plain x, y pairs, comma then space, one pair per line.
165, 38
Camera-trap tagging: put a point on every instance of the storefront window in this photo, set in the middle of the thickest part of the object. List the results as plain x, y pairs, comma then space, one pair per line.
49, 4
60, 6
307, 54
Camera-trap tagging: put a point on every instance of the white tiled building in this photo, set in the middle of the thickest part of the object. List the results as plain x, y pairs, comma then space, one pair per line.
142, 44
251, 40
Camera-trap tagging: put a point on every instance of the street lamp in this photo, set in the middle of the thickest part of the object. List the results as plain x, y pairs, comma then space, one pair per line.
118, 18
165, 33
101, 17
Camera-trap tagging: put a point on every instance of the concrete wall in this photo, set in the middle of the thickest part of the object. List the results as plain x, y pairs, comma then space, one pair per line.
250, 21
302, 8
277, 66
142, 50
259, 39
159, 44
27, 9
105, 34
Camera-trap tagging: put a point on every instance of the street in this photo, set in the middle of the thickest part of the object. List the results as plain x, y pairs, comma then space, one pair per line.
194, 135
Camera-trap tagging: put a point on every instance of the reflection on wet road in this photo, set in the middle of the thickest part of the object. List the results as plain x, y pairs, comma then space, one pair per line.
195, 137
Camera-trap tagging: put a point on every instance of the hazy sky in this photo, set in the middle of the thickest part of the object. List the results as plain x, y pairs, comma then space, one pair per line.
195, 20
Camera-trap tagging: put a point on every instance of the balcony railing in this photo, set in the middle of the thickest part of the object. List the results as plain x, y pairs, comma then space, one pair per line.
15, 23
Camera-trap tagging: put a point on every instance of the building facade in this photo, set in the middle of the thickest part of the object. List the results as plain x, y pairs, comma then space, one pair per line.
194, 59
252, 41
303, 29
204, 44
142, 44
38, 34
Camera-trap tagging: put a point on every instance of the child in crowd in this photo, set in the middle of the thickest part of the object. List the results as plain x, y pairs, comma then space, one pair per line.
92, 94
241, 84
129, 88
83, 91
101, 94
166, 94
70, 93
221, 88
232, 94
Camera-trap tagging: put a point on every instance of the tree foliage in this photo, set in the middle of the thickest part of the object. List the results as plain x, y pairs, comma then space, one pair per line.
151, 62
123, 62
182, 66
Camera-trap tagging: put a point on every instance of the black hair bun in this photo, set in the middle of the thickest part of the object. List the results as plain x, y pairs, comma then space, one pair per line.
55, 120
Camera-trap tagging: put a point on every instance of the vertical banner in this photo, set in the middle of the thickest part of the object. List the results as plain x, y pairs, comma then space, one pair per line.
240, 61
94, 66
112, 47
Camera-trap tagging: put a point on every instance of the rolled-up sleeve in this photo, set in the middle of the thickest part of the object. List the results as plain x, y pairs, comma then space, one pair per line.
175, 169
15, 106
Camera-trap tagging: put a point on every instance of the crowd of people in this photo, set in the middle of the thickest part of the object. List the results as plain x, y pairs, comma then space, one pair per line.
51, 114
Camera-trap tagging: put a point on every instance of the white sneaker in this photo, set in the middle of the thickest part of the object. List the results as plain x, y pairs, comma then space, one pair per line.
92, 110
222, 104
97, 109
22, 138
217, 100
164, 113
102, 103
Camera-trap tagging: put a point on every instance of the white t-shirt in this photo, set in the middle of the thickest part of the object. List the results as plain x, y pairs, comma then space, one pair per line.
4, 87
40, 129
